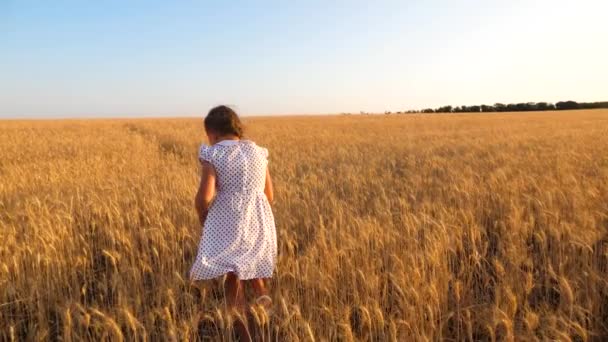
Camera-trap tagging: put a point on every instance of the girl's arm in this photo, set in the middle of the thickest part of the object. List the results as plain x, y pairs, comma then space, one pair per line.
268, 187
205, 192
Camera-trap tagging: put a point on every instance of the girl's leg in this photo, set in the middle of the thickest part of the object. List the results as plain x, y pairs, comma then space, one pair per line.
235, 299
259, 287
233, 290
261, 292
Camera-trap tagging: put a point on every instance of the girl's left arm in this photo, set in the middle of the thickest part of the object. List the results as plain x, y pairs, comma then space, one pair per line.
206, 191
268, 187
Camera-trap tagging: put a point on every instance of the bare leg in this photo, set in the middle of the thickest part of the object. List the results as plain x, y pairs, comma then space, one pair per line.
233, 290
261, 291
235, 300
259, 287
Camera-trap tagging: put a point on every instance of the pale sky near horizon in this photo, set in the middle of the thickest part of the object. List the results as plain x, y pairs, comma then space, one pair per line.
159, 58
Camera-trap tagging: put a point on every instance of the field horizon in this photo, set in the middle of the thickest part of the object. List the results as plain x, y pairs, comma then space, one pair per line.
489, 226
287, 115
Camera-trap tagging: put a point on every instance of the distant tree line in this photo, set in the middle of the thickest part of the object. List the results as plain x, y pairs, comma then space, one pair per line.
513, 107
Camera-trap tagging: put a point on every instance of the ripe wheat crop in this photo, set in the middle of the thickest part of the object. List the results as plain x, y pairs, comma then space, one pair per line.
395, 227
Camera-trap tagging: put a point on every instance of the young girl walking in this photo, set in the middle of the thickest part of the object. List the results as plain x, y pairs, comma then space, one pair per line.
233, 205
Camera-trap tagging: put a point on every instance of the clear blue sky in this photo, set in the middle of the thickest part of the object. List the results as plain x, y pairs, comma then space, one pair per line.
124, 58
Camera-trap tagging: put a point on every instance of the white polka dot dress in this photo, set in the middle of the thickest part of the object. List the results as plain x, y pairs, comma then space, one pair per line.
239, 234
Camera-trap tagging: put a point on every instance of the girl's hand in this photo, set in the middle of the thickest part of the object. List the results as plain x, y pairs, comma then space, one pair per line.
202, 216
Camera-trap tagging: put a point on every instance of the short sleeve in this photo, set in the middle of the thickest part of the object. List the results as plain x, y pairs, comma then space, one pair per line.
204, 153
264, 152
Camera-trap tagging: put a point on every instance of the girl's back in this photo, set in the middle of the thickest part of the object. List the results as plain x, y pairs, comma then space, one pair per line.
240, 166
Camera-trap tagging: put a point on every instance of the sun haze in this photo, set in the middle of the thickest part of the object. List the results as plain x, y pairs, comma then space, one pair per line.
160, 58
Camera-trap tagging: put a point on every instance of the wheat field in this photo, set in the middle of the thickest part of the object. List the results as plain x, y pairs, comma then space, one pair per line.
390, 227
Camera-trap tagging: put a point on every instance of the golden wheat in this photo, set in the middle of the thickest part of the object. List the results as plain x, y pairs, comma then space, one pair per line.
415, 227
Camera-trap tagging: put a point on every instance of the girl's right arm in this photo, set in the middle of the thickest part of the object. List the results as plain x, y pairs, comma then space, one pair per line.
268, 187
205, 192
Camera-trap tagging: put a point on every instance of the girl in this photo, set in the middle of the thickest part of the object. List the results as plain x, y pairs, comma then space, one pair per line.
239, 236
